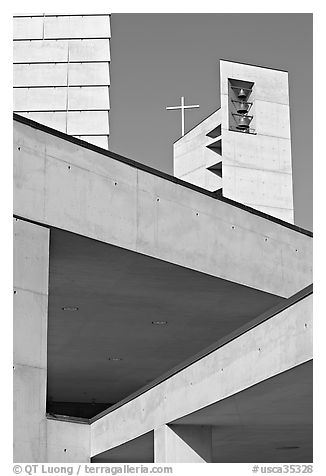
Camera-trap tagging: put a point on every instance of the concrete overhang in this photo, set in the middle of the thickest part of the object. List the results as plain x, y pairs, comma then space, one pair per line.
252, 389
193, 393
119, 294
270, 421
63, 182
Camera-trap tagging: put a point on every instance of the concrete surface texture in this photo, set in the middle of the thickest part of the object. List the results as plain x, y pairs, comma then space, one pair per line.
192, 157
183, 444
113, 202
138, 450
31, 265
279, 344
257, 168
61, 73
251, 168
36, 439
198, 310
162, 225
67, 442
270, 421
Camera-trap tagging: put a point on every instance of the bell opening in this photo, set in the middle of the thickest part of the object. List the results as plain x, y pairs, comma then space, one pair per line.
243, 123
243, 108
242, 94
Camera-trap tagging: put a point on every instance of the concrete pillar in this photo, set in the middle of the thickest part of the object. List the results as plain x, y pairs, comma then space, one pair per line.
183, 444
68, 442
31, 270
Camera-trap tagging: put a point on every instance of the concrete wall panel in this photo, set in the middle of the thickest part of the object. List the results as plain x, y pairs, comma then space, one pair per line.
29, 427
30, 325
67, 50
84, 26
56, 120
98, 200
40, 99
68, 442
31, 268
89, 50
87, 122
88, 98
30, 257
40, 75
263, 185
269, 153
100, 141
272, 119
28, 28
96, 74
40, 51
287, 214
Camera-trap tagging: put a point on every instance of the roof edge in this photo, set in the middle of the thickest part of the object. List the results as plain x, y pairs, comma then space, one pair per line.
254, 65
190, 130
67, 418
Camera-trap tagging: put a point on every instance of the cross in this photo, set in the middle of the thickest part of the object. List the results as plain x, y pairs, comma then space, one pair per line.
182, 107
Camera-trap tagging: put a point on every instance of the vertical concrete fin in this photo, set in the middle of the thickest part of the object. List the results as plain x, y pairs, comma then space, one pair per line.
31, 269
183, 444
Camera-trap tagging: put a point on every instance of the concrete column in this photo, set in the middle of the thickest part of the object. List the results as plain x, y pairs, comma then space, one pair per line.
31, 270
183, 444
68, 442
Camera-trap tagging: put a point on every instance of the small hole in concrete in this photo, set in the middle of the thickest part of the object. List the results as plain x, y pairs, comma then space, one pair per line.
232, 227
296, 250
221, 370
197, 214
15, 292
265, 239
115, 183
69, 167
157, 199
18, 148
306, 325
259, 349
65, 450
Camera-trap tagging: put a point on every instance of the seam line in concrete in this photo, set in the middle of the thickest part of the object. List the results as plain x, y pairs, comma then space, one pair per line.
31, 291
29, 366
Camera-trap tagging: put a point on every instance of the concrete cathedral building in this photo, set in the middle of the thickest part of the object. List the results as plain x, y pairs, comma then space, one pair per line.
157, 318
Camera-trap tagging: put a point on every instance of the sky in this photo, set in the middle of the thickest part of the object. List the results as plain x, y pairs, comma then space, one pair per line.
158, 57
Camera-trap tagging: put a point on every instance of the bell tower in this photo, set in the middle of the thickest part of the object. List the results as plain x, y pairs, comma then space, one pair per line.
256, 139
244, 148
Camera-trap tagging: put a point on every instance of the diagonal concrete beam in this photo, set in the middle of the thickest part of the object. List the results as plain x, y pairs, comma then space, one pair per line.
274, 346
60, 182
